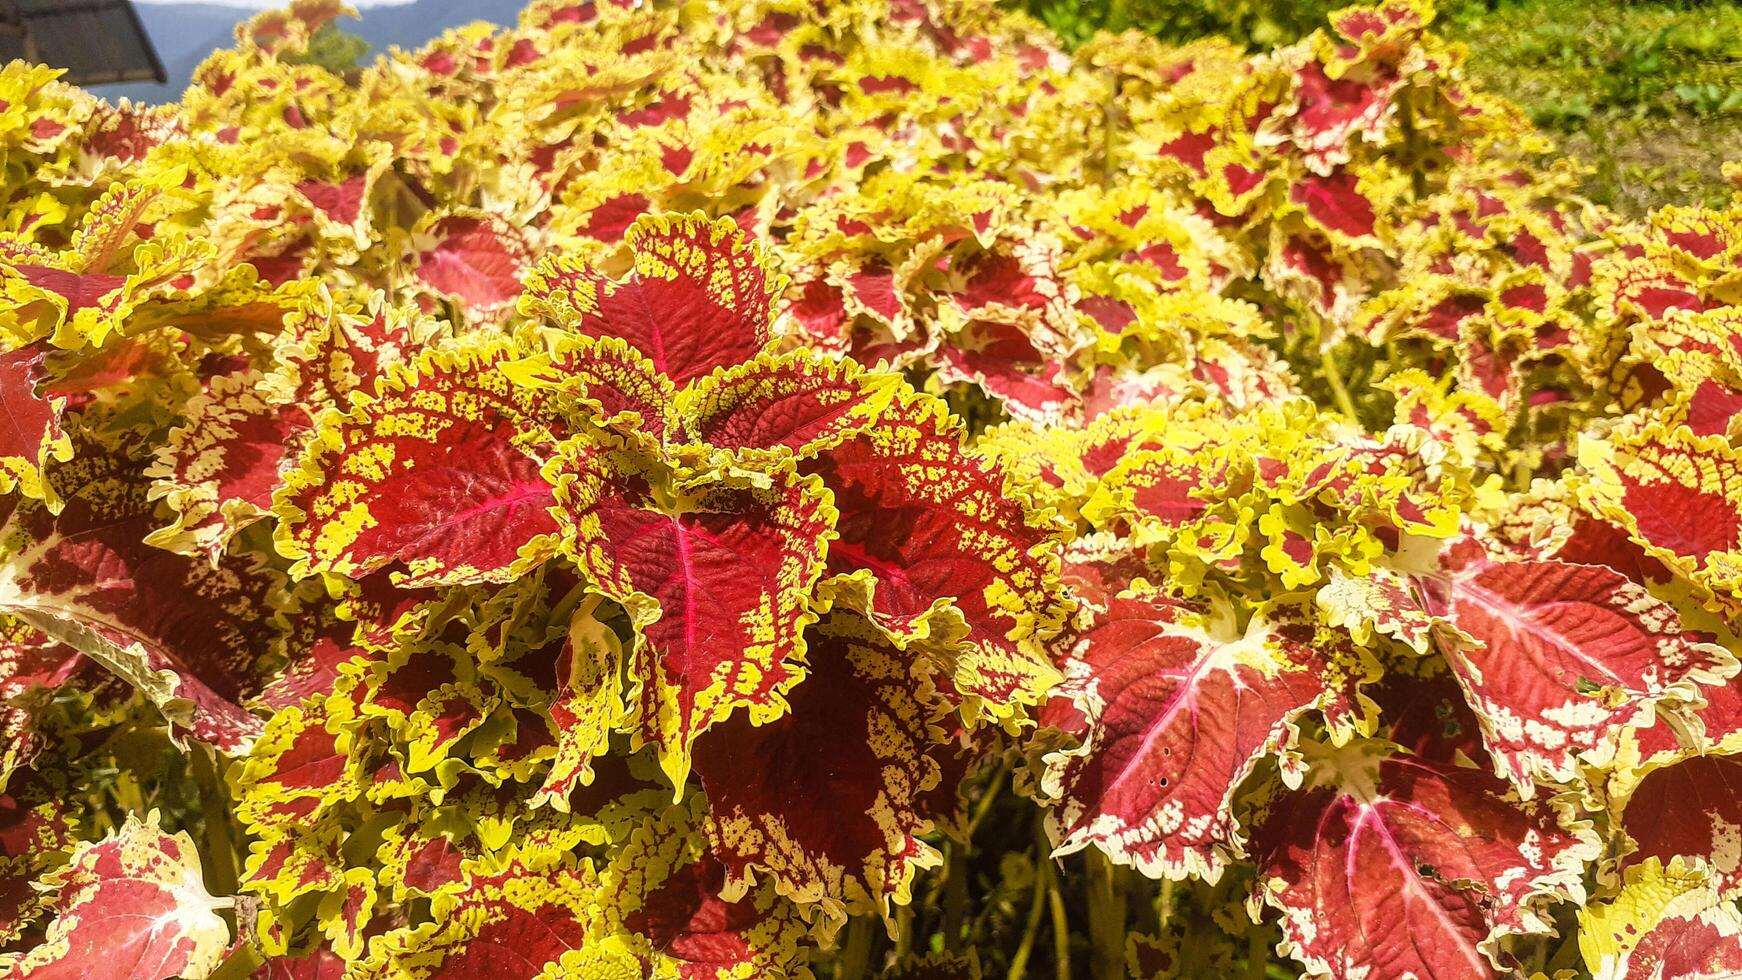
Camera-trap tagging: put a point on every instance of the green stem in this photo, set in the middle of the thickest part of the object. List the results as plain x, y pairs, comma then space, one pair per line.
993, 788
1055, 902
220, 856
129, 795
1106, 918
1206, 909
564, 609
856, 952
1521, 468
1061, 927
1564, 959
955, 896
1257, 955
1031, 928
1334, 378
1406, 123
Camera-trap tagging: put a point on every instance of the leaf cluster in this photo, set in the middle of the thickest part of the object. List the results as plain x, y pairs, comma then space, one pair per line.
733, 490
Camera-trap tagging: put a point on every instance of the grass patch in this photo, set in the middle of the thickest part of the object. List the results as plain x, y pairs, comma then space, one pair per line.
1647, 94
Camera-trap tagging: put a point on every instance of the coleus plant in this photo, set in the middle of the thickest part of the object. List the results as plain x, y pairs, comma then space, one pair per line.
791, 489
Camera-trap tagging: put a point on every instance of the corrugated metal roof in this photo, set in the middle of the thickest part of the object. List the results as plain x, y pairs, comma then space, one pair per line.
97, 41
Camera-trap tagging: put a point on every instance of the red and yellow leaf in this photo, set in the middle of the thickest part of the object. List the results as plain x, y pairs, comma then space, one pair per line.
520, 922
1678, 495
1565, 657
474, 256
1691, 811
932, 543
717, 581
615, 385
193, 637
1180, 707
588, 706
1384, 864
131, 905
439, 474
662, 894
864, 732
785, 406
218, 470
1665, 922
700, 297
30, 423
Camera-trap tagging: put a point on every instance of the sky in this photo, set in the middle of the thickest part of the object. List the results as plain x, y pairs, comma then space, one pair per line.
263, 4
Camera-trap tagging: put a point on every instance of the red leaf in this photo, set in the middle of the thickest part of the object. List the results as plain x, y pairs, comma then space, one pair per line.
700, 297
926, 527
717, 582
192, 637
615, 386
1180, 708
700, 934
796, 403
1665, 922
1336, 203
477, 258
515, 922
28, 421
1691, 809
861, 733
341, 201
132, 905
435, 473
219, 468
1387, 865
1567, 657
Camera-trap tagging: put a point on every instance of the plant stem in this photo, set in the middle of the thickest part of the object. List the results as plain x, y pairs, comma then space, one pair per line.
1521, 468
220, 856
1106, 918
564, 609
1061, 927
1406, 122
1257, 955
129, 796
993, 788
1563, 959
1334, 378
856, 952
955, 895
1539, 959
1031, 928
1048, 873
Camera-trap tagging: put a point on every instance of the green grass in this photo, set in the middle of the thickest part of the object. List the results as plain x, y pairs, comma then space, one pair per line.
1646, 93
1257, 23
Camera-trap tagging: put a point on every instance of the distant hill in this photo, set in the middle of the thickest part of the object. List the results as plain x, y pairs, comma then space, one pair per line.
414, 24
185, 33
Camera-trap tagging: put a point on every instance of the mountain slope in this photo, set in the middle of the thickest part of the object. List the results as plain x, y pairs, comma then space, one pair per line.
414, 24
183, 34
